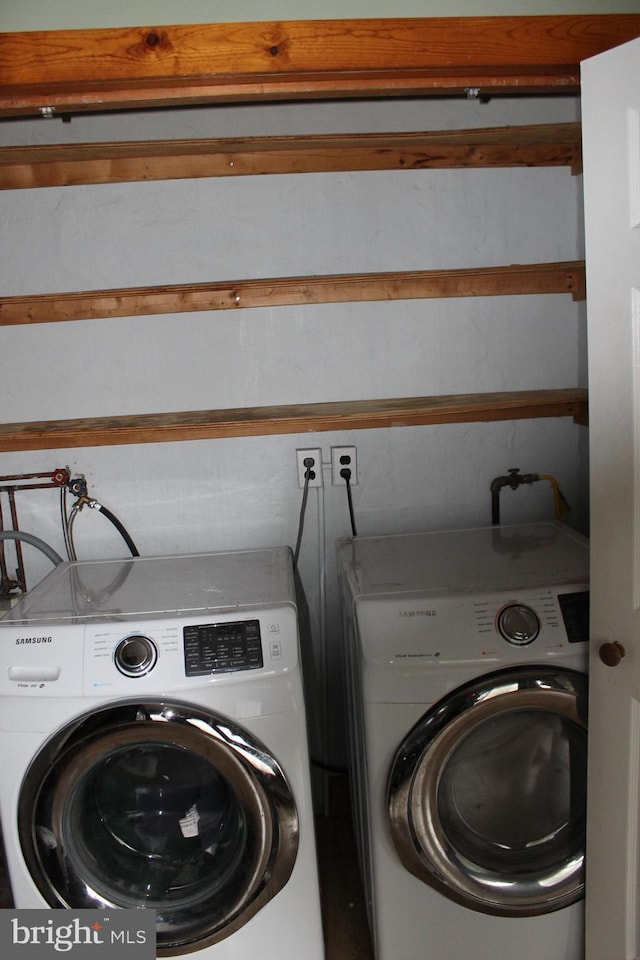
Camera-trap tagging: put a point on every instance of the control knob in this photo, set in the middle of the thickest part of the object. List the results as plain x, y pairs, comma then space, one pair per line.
518, 624
135, 655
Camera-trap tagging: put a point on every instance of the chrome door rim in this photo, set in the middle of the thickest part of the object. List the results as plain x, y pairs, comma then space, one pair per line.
415, 826
254, 774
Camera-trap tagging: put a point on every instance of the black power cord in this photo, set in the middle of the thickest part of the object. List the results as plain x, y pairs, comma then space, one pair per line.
309, 475
345, 473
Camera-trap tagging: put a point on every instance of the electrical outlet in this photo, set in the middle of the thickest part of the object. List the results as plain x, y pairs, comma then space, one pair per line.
314, 454
342, 457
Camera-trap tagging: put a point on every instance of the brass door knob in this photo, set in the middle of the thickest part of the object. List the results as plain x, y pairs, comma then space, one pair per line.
612, 653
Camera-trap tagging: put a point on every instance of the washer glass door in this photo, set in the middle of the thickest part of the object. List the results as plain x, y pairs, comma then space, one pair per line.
487, 794
162, 806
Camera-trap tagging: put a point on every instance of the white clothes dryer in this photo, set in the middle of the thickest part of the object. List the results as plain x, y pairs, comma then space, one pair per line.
154, 751
467, 694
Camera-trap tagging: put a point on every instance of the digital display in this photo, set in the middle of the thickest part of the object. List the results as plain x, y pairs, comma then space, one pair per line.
222, 647
575, 614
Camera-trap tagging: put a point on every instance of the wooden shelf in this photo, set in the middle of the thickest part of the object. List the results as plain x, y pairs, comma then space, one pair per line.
69, 71
302, 418
57, 73
546, 145
540, 278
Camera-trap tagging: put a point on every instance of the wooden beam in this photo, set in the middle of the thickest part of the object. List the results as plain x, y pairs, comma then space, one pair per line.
557, 144
68, 71
300, 418
539, 278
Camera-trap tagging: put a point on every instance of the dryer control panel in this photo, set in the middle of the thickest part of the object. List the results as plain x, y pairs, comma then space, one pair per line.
519, 624
508, 627
575, 614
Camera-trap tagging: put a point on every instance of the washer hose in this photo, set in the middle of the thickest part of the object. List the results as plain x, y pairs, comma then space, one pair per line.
95, 505
34, 541
119, 527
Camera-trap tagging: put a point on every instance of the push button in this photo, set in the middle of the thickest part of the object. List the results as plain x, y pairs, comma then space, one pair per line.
275, 650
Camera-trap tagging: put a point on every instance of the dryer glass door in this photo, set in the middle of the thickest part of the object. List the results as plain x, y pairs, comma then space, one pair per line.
487, 795
159, 805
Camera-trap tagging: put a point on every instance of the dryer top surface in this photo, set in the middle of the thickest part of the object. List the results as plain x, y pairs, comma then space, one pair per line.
159, 586
471, 561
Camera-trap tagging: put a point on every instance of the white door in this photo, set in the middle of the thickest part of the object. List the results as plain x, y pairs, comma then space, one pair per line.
611, 132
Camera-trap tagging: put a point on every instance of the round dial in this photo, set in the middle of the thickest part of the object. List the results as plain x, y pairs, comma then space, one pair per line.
518, 624
135, 656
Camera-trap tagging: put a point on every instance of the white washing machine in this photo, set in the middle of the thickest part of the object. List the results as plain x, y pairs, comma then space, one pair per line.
466, 662
154, 751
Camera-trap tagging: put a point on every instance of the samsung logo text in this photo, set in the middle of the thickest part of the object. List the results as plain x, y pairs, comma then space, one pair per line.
22, 640
417, 613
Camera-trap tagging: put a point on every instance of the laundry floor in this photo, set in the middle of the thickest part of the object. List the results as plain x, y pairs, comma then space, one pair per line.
343, 909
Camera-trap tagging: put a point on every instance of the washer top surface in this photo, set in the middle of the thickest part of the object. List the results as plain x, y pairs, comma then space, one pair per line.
186, 584
471, 561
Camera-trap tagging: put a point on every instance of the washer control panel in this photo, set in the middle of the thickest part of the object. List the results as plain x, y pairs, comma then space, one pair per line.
183, 652
222, 647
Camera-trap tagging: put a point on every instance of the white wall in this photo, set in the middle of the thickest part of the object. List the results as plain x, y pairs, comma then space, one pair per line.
69, 14
234, 493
